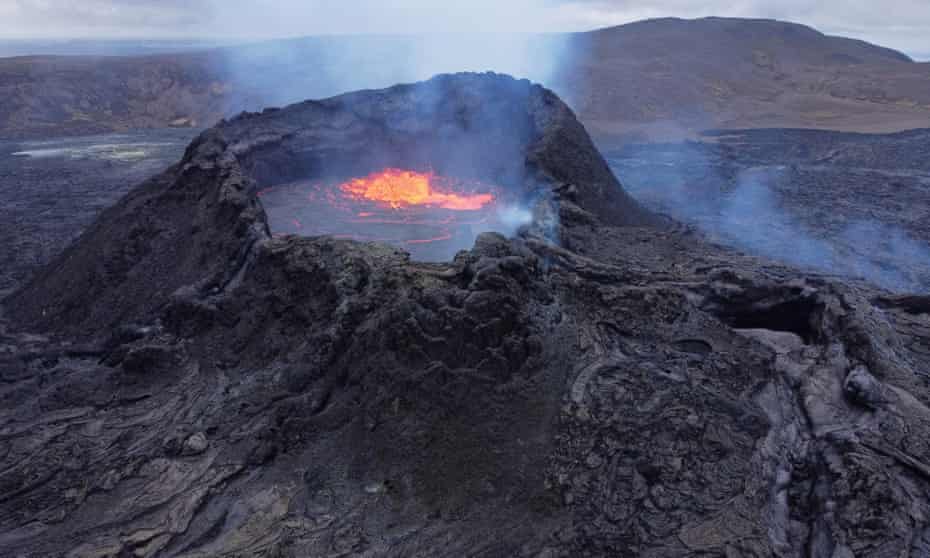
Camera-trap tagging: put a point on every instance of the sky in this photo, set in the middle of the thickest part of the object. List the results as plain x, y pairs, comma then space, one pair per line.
899, 24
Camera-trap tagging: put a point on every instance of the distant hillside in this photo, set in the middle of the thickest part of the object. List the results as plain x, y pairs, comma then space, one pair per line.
50, 95
99, 47
737, 73
655, 78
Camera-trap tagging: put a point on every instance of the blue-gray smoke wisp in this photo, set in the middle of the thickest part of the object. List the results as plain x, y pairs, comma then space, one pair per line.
746, 207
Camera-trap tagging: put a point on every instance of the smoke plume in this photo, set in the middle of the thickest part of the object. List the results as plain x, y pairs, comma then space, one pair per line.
743, 207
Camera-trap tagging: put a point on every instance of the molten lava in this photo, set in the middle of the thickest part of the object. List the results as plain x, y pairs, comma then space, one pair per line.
430, 215
401, 188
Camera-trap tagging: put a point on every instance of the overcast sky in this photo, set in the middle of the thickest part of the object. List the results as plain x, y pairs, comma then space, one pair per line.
900, 24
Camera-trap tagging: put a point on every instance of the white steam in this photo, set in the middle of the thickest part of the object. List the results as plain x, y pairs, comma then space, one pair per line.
377, 44
277, 73
746, 211
513, 217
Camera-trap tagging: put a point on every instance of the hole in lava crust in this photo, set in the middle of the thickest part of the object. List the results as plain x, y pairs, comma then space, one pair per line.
427, 214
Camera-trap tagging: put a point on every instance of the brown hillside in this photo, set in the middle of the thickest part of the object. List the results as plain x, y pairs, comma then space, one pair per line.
658, 78
735, 73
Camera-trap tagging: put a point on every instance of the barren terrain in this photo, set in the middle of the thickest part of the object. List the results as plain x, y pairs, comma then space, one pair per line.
53, 189
855, 205
666, 78
746, 378
179, 382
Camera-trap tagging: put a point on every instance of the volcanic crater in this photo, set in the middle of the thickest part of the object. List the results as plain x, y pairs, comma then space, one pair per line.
428, 175
430, 216
600, 381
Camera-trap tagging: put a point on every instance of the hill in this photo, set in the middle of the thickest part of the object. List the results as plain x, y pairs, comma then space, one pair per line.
58, 95
662, 77
736, 73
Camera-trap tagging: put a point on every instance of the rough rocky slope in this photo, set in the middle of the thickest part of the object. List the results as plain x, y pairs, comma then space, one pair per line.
630, 389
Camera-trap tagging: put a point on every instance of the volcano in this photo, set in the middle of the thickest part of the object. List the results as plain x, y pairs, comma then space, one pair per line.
192, 379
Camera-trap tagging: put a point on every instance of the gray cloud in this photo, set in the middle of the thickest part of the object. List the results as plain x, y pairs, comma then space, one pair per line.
94, 18
901, 24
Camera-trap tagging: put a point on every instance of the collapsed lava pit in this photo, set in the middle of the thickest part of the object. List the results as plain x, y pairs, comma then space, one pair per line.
427, 214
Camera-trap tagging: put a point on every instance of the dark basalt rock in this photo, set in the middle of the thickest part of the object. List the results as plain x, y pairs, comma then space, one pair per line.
629, 391
195, 225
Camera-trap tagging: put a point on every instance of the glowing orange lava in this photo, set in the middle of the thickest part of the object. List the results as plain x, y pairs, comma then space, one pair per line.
400, 188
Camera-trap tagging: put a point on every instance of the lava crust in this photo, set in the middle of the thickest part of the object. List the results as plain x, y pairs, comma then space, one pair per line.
182, 383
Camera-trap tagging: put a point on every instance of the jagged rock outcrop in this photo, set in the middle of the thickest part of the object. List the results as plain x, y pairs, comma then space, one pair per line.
630, 390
